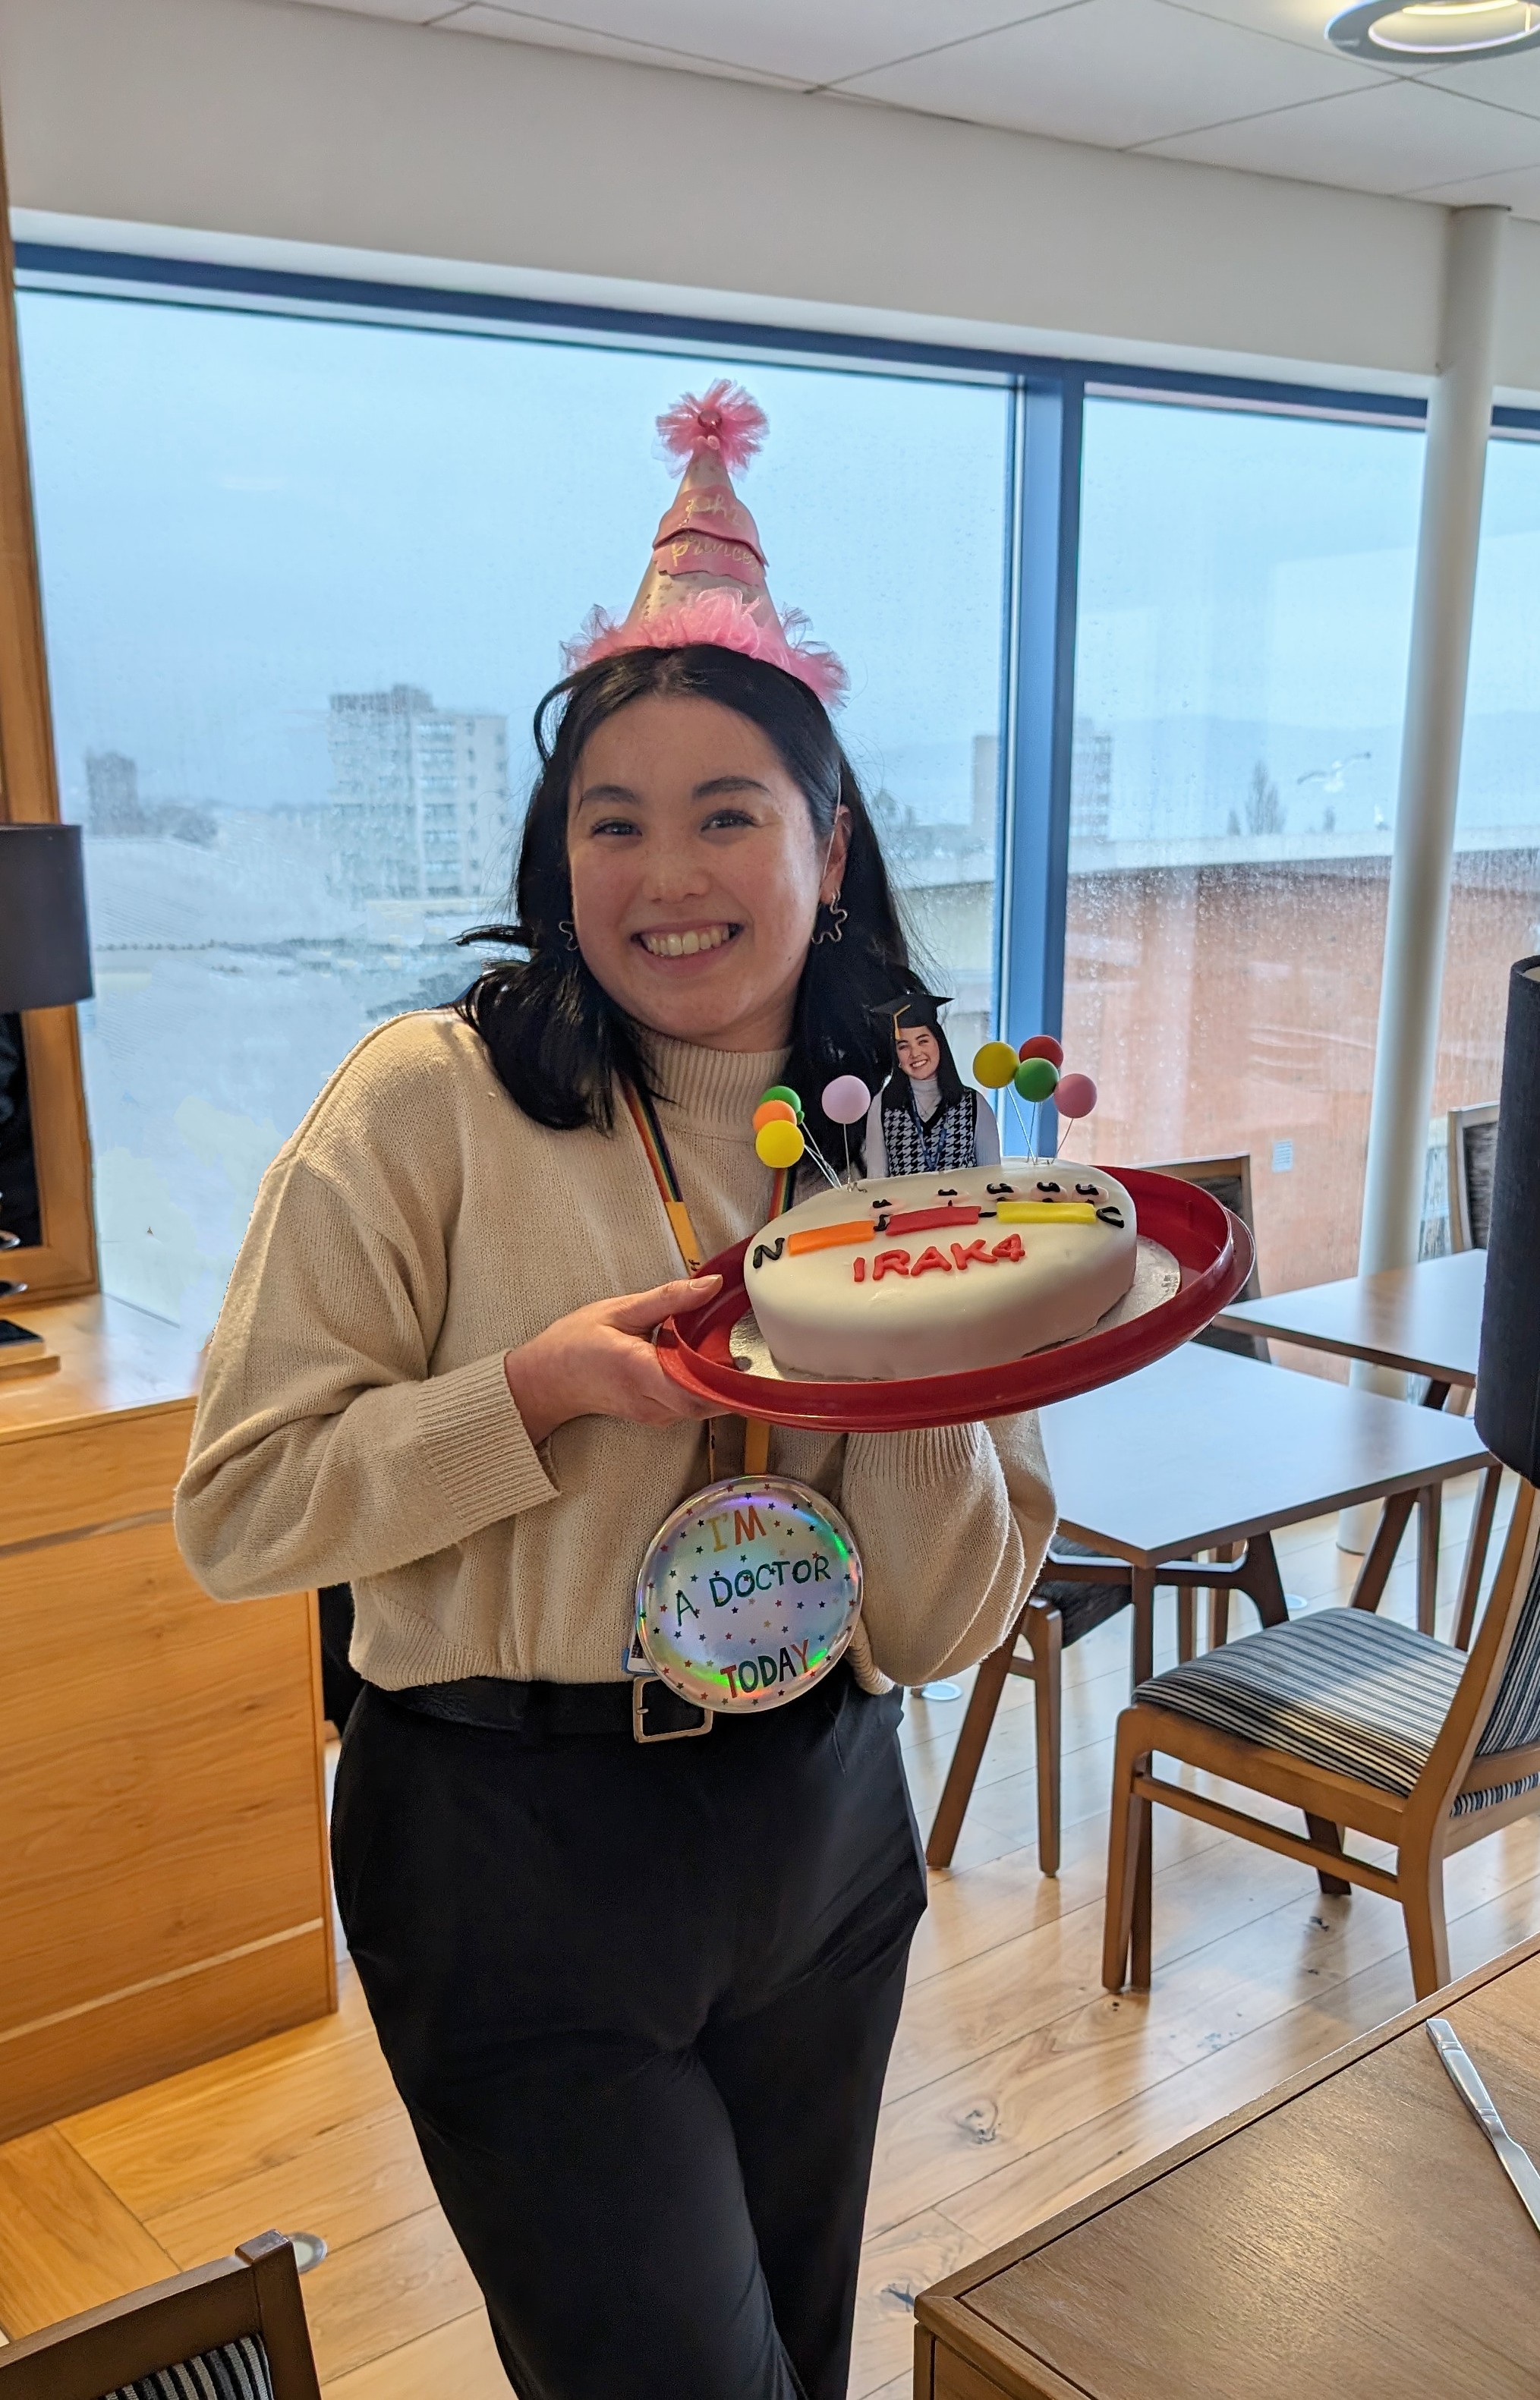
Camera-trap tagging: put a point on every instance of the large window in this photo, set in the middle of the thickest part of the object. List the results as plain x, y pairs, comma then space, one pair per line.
305, 579
1495, 913
1245, 599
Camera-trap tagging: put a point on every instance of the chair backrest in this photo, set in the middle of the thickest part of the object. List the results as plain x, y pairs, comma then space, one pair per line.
243, 2318
1229, 1180
1492, 1733
1472, 1155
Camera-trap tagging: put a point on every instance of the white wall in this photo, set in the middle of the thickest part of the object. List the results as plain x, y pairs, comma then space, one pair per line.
402, 151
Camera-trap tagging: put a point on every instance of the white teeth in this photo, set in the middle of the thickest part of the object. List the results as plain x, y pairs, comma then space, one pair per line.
685, 945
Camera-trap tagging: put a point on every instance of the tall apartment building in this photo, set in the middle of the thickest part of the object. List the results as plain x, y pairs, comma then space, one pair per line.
419, 795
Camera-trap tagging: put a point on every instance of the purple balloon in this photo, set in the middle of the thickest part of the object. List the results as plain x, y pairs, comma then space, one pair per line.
846, 1100
1076, 1096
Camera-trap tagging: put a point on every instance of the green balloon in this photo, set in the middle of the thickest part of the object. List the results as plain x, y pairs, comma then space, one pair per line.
783, 1092
1036, 1078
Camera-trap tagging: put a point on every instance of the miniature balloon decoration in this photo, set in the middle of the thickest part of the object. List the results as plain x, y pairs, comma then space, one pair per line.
773, 1112
1075, 1096
779, 1144
1043, 1045
1036, 1078
846, 1100
994, 1065
784, 1092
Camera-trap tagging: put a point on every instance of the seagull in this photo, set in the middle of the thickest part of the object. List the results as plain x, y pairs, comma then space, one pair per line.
1332, 777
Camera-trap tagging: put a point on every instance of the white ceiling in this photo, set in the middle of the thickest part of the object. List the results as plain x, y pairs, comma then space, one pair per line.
1234, 83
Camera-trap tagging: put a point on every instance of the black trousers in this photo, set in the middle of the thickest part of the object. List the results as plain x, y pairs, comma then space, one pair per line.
638, 2001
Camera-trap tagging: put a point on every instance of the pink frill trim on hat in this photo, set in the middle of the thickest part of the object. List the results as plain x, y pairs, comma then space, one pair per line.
726, 622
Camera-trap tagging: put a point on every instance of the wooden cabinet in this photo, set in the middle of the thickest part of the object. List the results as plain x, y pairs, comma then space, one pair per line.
163, 1879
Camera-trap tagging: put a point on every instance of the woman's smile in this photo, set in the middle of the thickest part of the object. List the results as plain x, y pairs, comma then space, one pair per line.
685, 941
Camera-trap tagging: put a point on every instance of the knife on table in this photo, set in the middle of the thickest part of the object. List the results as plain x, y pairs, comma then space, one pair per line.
1518, 2165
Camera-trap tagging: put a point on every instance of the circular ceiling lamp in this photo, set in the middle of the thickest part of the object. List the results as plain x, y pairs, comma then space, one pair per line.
1438, 30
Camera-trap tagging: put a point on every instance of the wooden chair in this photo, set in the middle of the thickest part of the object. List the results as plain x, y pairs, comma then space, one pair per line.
1472, 1154
1361, 1723
1077, 1590
234, 2330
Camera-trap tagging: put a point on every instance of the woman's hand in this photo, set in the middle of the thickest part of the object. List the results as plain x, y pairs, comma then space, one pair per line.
598, 1362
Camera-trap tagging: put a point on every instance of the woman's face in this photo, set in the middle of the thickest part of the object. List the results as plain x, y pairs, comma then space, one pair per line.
918, 1052
696, 872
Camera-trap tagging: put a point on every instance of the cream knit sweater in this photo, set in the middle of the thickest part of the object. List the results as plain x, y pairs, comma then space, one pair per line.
355, 1425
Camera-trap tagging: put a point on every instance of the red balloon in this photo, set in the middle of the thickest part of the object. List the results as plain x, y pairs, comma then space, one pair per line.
1043, 1045
1076, 1096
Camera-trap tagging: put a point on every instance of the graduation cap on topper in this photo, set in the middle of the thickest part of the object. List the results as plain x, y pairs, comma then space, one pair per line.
911, 1008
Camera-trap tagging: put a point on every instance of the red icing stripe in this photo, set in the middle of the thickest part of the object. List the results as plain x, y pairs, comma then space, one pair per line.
921, 1220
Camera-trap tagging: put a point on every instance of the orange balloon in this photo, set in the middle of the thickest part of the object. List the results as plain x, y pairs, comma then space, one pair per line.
773, 1112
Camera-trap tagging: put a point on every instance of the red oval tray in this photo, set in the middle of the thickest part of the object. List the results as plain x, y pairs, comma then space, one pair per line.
1211, 1246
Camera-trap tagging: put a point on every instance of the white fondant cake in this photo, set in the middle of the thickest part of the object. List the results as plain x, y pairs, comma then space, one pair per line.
931, 1274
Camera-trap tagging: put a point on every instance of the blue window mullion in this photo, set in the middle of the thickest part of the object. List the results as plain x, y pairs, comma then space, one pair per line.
1038, 744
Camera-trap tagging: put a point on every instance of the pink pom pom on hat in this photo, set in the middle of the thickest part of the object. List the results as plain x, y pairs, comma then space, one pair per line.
705, 580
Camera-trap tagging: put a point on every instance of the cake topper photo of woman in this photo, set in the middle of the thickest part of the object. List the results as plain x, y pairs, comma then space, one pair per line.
926, 1120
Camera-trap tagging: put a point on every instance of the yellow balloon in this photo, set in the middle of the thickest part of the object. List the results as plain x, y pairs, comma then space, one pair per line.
995, 1065
779, 1144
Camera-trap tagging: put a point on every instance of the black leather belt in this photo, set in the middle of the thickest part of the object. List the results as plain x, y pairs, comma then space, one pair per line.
643, 1707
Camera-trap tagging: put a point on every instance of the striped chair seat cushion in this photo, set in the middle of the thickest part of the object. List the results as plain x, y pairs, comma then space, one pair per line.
1340, 1688
237, 2370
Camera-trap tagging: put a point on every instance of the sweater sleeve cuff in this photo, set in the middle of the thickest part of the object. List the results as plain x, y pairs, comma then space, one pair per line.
475, 1447
928, 1458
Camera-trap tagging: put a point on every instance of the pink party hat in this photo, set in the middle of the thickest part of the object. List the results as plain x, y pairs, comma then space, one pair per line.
705, 580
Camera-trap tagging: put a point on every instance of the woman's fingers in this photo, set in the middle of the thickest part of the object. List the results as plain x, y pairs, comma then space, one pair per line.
640, 1311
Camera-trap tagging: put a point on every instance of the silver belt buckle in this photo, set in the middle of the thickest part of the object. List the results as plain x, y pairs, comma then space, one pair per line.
639, 1690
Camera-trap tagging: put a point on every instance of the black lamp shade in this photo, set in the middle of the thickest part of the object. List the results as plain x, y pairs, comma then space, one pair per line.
1507, 1389
45, 954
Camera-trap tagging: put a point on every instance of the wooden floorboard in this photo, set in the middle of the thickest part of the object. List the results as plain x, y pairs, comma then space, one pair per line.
1016, 2085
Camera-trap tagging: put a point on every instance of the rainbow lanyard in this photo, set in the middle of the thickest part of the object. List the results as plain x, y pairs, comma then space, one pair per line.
643, 1116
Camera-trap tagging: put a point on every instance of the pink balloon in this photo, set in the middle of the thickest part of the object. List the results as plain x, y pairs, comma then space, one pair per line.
846, 1100
1076, 1096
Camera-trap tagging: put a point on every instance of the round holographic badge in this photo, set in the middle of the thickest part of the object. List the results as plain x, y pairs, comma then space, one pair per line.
748, 1594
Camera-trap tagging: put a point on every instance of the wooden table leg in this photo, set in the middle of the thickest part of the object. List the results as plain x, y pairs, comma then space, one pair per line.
1429, 1518
1435, 1395
1143, 1582
1258, 1576
1476, 1555
1381, 1555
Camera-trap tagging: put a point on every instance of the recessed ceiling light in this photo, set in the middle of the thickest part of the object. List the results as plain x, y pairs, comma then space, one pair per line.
1445, 30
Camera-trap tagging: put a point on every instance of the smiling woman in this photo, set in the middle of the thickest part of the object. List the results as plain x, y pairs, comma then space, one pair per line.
698, 858
433, 1378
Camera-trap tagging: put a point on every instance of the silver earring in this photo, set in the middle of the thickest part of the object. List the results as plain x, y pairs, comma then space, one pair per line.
568, 933
834, 930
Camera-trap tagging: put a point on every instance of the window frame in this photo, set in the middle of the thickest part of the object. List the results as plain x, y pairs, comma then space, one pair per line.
1047, 397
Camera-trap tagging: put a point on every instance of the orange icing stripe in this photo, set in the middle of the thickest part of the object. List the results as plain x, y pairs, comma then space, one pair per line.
830, 1237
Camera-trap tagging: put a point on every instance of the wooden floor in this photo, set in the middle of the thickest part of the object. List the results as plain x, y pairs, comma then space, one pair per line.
1016, 2083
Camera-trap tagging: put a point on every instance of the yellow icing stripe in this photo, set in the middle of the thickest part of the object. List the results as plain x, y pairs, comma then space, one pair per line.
830, 1237
1047, 1212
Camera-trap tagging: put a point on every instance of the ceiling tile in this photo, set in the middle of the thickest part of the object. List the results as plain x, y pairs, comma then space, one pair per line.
1112, 71
547, 33
1501, 83
1392, 137
806, 42
1302, 22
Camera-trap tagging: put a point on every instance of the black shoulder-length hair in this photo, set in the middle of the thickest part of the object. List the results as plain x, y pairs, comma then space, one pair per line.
555, 1037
